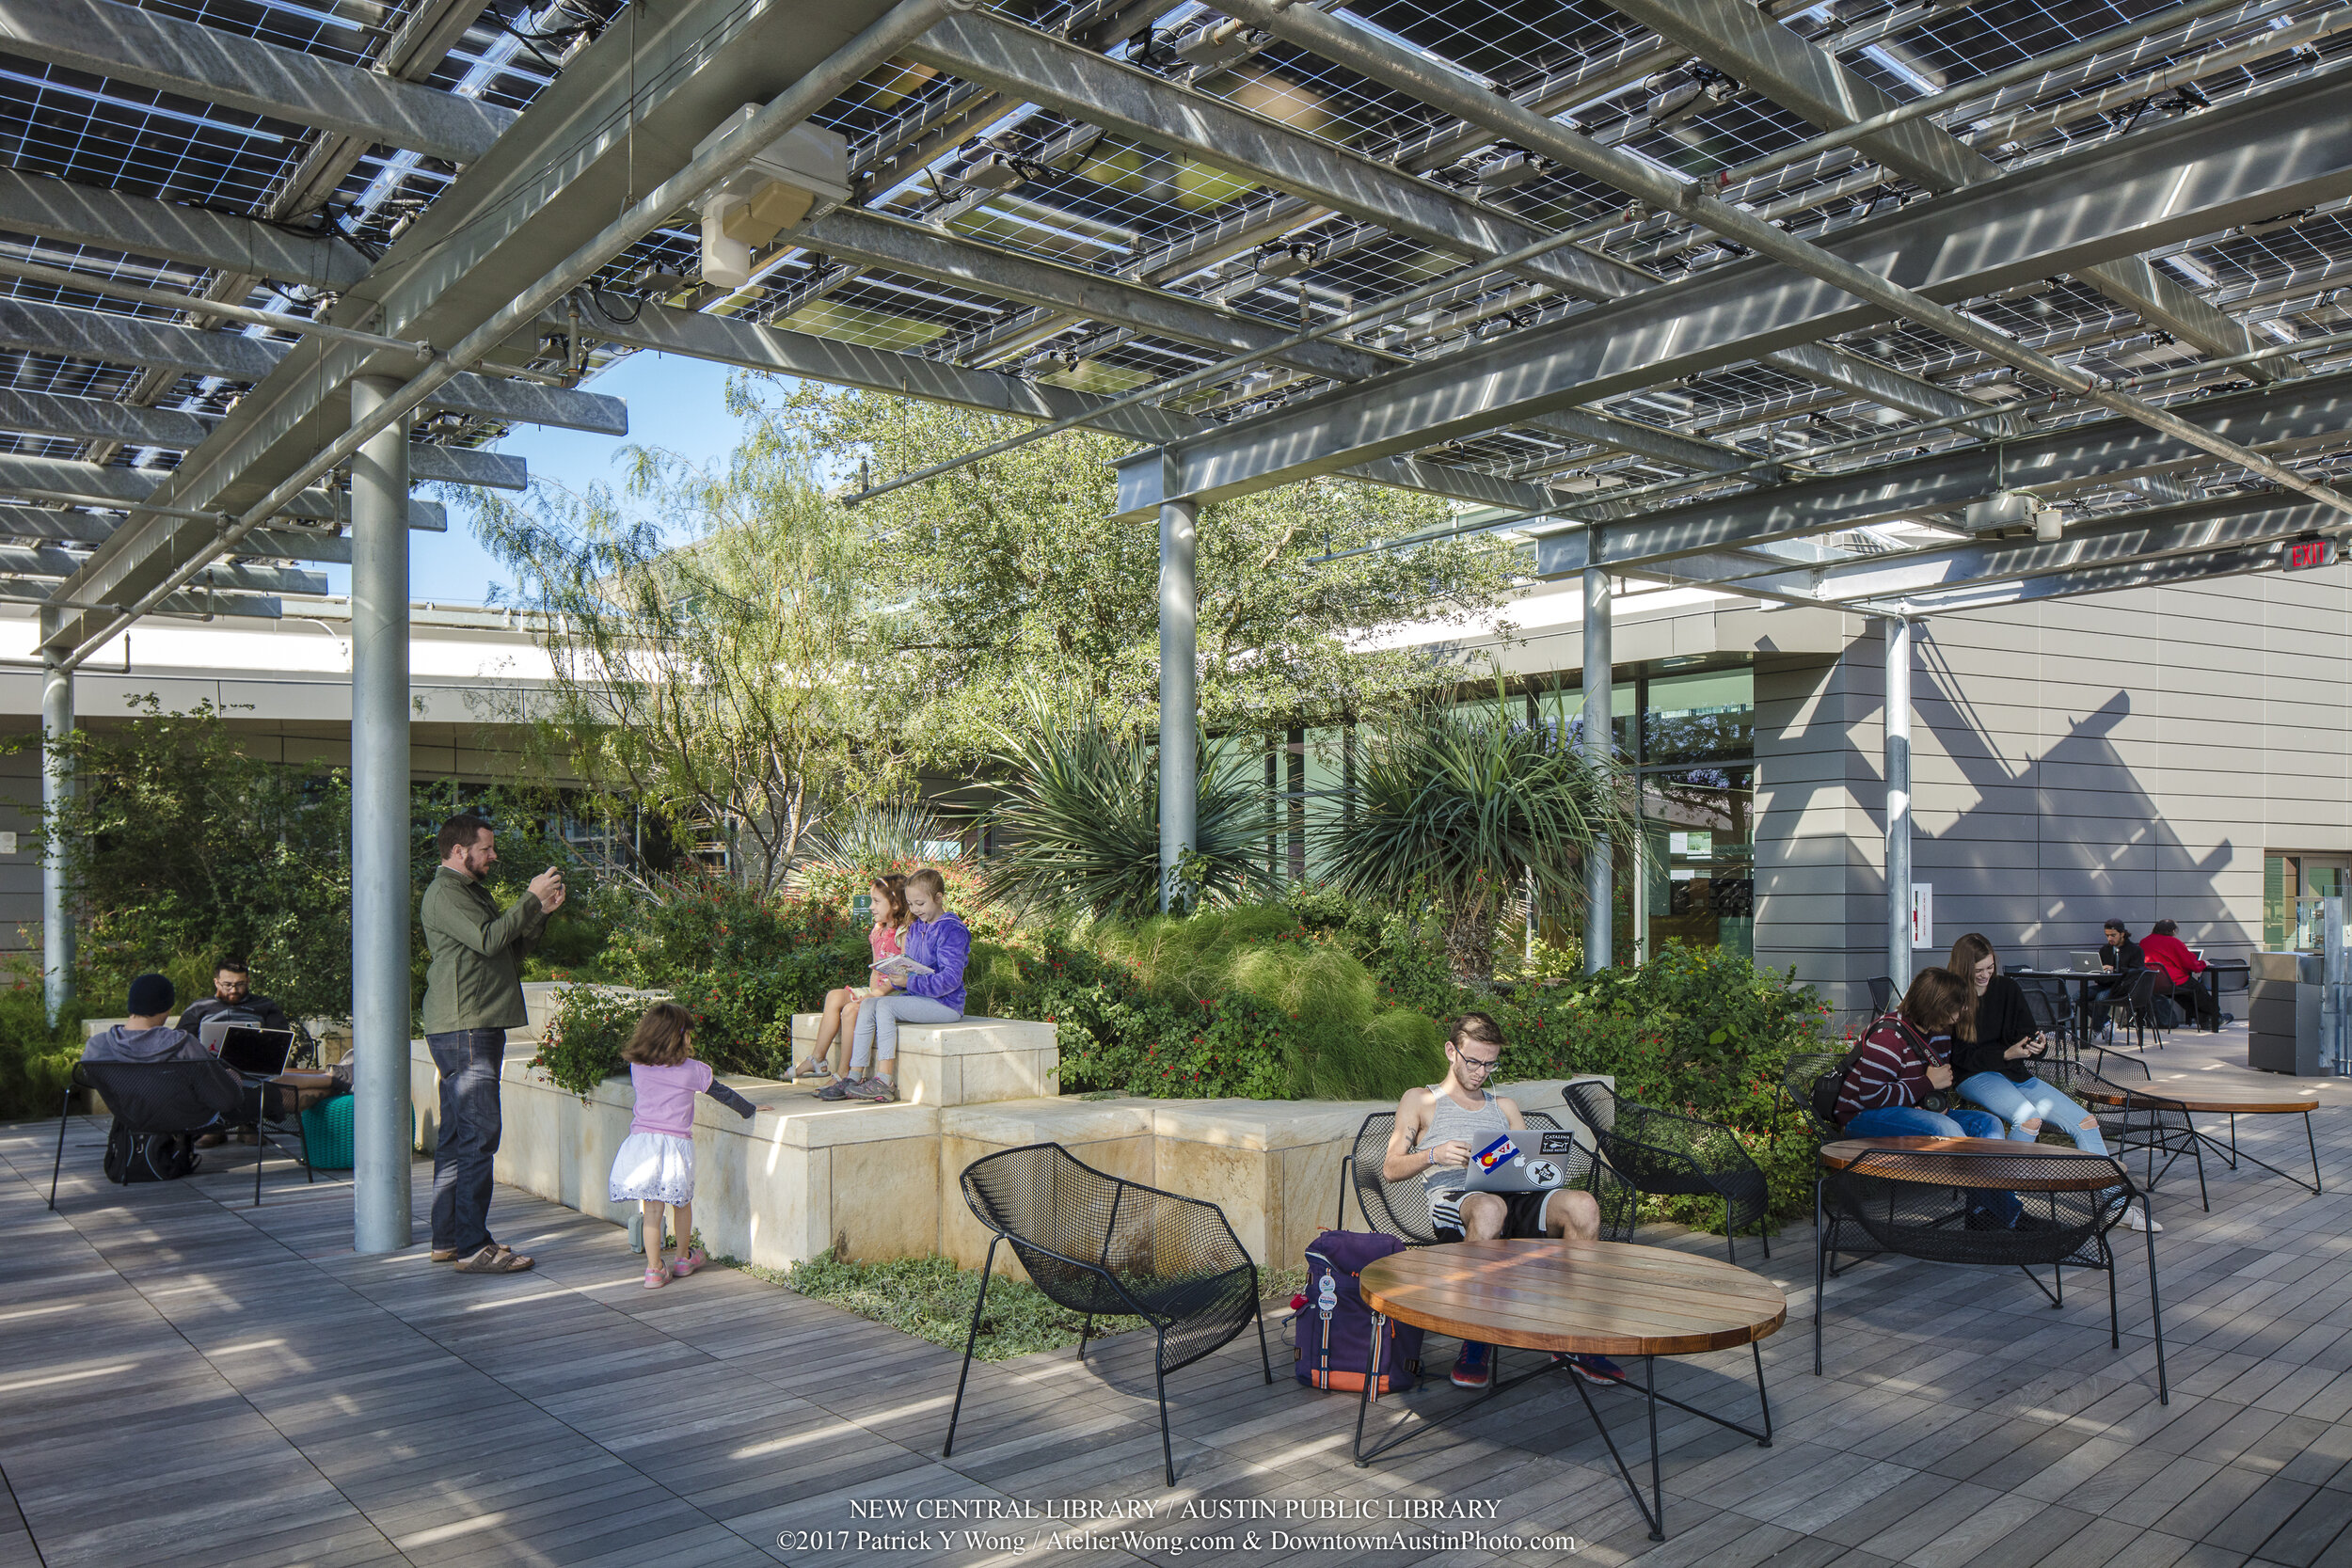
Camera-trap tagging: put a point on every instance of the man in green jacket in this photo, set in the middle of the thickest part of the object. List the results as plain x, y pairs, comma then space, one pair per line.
473, 995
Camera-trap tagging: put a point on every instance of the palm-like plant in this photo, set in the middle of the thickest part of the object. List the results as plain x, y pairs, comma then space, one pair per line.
1463, 810
1076, 829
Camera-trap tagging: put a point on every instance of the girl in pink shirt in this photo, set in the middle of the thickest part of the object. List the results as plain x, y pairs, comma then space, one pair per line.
655, 1164
887, 938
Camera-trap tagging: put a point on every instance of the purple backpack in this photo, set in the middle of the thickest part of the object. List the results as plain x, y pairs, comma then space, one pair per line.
1332, 1326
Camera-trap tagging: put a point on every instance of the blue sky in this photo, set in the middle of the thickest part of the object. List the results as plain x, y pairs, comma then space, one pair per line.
676, 403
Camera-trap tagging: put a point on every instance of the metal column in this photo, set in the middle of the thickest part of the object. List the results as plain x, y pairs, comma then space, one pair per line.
56, 787
1600, 729
381, 1132
1180, 612
1898, 634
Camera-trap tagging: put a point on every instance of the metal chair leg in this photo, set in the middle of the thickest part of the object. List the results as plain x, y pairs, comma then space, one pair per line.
1763, 1399
1085, 1331
1821, 1283
2156, 1321
1656, 1490
970, 1340
64, 1108
1167, 1446
1257, 1309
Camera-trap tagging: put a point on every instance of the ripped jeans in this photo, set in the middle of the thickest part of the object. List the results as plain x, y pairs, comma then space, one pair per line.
2016, 1103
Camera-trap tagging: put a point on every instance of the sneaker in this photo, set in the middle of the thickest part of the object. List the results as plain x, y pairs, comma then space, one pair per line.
2138, 1218
839, 1088
688, 1262
1474, 1367
880, 1090
1593, 1369
2027, 1222
1984, 1219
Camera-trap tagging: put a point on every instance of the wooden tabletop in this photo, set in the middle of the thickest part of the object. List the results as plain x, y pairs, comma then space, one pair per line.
2187, 1097
1989, 1163
1588, 1298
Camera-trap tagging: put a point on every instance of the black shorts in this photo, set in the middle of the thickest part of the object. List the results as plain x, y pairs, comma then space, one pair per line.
1522, 1217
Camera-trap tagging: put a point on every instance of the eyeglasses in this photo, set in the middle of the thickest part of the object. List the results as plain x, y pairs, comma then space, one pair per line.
1484, 1064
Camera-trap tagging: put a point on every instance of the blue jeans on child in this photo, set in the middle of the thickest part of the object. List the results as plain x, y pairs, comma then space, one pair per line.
2016, 1103
1910, 1122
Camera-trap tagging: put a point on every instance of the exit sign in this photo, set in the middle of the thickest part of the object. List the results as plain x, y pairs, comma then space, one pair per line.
2305, 554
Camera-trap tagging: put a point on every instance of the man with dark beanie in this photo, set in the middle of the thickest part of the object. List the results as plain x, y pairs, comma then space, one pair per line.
146, 1037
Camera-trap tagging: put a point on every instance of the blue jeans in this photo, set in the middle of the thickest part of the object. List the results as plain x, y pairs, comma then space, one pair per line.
468, 1060
1910, 1122
877, 1020
2016, 1103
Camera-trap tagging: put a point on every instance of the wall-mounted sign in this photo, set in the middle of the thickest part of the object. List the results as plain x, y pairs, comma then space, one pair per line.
1923, 915
1697, 845
2304, 555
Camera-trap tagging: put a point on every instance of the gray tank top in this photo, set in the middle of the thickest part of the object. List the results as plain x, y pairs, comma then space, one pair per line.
1450, 1123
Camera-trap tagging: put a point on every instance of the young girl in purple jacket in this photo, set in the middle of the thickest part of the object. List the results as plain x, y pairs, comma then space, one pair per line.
938, 941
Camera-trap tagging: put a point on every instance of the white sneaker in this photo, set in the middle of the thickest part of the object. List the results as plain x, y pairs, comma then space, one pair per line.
2138, 1218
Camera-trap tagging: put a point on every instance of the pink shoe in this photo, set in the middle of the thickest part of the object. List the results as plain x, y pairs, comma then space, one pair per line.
655, 1278
688, 1262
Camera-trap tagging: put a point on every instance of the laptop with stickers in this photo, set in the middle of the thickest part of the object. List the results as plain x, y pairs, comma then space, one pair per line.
1508, 1164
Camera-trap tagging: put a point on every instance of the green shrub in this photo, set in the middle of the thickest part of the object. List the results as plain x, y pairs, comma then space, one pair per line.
580, 1046
35, 1059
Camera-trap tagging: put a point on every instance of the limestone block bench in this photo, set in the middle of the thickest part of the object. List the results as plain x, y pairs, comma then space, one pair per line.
973, 1061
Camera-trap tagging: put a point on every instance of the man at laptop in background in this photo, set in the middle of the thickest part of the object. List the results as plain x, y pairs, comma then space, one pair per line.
145, 1036
1438, 1131
233, 997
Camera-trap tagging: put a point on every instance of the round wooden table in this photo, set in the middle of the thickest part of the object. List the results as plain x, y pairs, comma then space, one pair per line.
1579, 1298
2201, 1100
1969, 1168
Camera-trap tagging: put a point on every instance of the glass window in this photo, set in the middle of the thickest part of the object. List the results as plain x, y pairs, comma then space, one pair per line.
1700, 869
1703, 717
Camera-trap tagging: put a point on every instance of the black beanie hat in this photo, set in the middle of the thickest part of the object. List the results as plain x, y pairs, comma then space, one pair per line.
151, 994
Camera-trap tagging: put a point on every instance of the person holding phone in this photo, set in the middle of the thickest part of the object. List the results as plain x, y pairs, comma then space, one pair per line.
1995, 1049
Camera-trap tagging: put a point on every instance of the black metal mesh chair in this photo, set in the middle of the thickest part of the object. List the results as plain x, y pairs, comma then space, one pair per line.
1100, 1246
1881, 995
1401, 1209
174, 1100
2139, 1005
1915, 1204
1672, 1155
1797, 1079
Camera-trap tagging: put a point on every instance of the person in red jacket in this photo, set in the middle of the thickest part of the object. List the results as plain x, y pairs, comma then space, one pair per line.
2180, 968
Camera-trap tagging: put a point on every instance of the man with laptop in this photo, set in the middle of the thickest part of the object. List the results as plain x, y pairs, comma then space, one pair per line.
253, 1054
1486, 1174
233, 1001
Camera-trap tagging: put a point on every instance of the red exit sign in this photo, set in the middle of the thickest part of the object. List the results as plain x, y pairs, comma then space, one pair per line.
2305, 554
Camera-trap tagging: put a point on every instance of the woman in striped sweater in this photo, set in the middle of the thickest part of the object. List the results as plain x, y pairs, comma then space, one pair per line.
1899, 1085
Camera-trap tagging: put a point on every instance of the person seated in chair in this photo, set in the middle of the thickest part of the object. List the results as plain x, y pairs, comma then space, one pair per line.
2181, 974
147, 1036
233, 997
1438, 1131
1899, 1085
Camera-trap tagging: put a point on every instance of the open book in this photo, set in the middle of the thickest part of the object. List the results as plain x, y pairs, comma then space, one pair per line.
898, 966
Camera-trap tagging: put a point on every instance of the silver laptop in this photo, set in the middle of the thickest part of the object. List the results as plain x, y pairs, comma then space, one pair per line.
2085, 963
1508, 1165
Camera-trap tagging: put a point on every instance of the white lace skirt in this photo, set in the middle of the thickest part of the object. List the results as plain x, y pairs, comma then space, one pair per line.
655, 1166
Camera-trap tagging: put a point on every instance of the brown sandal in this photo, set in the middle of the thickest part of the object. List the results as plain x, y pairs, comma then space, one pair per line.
495, 1259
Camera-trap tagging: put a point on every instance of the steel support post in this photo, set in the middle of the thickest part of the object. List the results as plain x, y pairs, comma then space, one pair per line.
1598, 735
381, 1132
1897, 632
57, 789
1180, 612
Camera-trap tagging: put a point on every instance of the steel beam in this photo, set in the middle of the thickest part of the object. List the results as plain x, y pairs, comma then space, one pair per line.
24, 474
727, 341
176, 430
1084, 85
2112, 578
31, 524
1801, 76
202, 607
49, 561
2176, 182
2189, 529
129, 43
110, 338
2288, 415
141, 225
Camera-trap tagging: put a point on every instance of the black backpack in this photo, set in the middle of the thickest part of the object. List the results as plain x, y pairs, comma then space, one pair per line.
148, 1156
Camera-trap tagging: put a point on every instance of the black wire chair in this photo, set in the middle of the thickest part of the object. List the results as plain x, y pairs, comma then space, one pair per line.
1914, 1204
1401, 1209
1101, 1245
1805, 1069
2139, 1005
1671, 1155
176, 1100
1881, 995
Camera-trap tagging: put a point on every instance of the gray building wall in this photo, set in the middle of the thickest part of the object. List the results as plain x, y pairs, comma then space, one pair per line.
2133, 754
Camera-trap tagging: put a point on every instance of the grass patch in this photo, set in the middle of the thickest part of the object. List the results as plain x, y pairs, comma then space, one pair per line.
932, 1299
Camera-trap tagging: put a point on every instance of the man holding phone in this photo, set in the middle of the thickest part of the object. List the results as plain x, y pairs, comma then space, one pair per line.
473, 995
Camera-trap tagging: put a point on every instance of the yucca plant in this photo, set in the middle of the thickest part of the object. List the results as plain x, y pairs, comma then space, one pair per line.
855, 843
1463, 810
1077, 823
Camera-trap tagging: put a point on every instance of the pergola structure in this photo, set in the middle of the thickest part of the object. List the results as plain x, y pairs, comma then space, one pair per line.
1912, 305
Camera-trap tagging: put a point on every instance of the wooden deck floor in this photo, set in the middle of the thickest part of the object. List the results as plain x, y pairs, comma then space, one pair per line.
188, 1380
